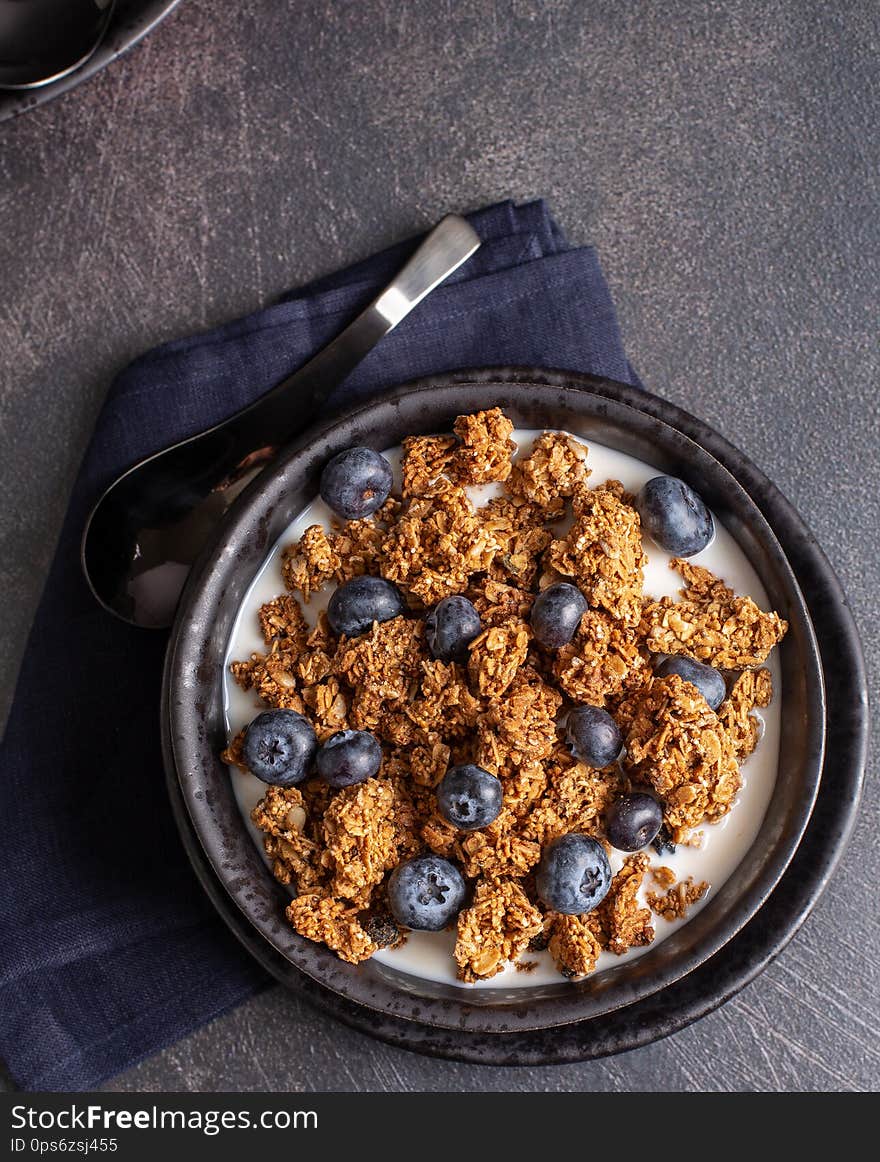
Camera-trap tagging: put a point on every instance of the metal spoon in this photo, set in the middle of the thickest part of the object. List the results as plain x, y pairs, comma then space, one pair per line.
44, 40
151, 523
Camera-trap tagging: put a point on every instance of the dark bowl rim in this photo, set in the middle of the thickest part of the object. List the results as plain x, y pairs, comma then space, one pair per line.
459, 1012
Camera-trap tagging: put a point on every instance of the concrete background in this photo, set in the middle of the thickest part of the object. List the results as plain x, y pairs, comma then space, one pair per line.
723, 157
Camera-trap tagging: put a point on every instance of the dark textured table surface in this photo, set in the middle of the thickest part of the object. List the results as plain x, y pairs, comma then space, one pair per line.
724, 159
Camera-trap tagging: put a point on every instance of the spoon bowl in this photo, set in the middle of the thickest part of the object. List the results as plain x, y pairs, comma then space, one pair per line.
44, 40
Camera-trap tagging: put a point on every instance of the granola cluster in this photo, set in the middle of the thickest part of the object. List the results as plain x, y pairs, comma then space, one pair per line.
503, 708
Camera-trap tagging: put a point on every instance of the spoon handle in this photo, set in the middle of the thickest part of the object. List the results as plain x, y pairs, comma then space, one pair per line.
152, 522
298, 398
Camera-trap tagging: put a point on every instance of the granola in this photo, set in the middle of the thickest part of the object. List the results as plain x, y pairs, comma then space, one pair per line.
310, 562
603, 553
604, 658
334, 923
363, 835
480, 451
495, 929
752, 688
503, 706
552, 471
625, 923
674, 903
574, 944
437, 544
486, 448
711, 623
679, 746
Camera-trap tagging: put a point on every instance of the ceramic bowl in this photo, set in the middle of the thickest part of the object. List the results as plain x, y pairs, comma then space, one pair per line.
193, 721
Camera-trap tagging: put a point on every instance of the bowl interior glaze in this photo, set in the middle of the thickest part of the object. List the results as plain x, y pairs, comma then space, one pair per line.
593, 409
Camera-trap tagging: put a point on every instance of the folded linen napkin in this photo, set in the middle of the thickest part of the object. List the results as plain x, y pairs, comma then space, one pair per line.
109, 949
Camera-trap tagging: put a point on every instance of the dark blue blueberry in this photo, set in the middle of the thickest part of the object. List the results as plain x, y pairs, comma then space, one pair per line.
707, 680
556, 614
426, 893
574, 874
349, 757
355, 605
356, 482
674, 516
469, 797
592, 736
279, 747
450, 628
633, 821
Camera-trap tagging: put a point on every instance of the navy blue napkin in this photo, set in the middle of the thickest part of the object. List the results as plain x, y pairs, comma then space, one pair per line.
109, 949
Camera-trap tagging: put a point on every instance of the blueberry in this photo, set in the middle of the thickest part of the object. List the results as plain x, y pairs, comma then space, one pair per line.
349, 757
425, 893
469, 797
674, 516
357, 603
574, 874
633, 821
356, 482
556, 614
279, 747
450, 628
592, 736
707, 680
